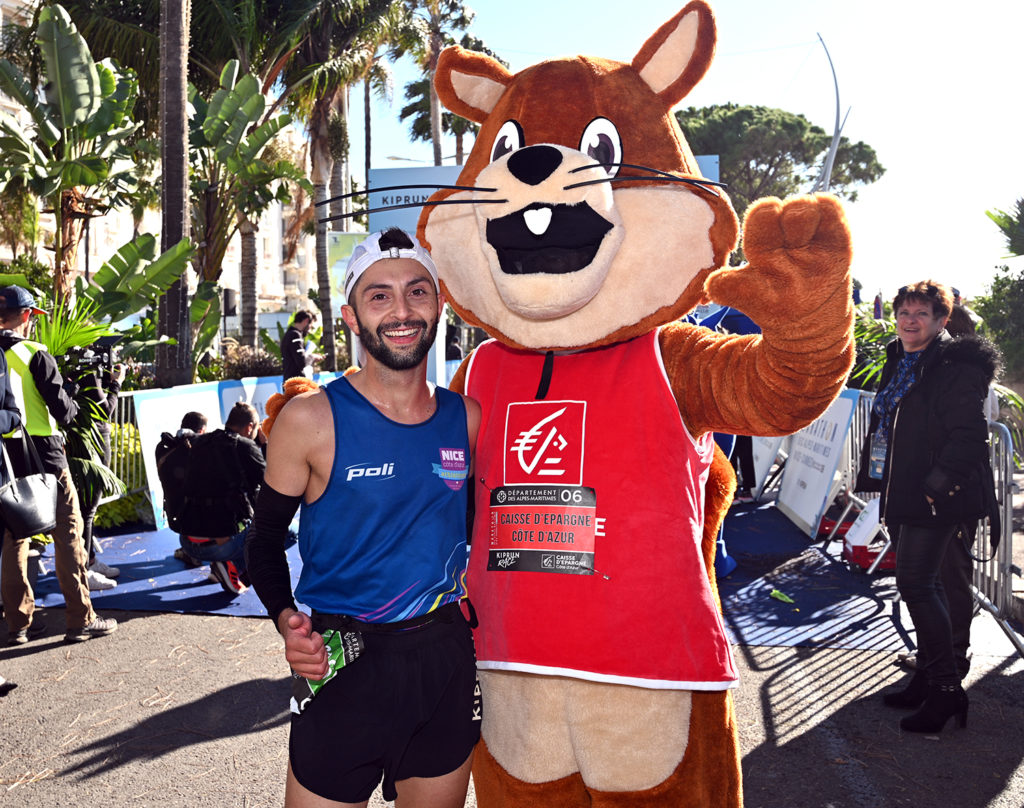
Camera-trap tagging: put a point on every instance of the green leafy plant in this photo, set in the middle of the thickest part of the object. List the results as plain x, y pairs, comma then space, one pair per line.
871, 337
77, 155
204, 315
38, 275
241, 361
134, 277
66, 327
129, 510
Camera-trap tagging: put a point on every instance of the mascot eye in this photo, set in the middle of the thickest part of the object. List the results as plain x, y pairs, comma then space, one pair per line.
601, 143
510, 138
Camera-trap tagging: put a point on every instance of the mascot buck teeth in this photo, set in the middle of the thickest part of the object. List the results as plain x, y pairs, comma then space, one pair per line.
589, 232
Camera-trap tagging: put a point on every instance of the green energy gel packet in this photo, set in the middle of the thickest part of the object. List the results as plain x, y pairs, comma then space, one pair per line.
342, 649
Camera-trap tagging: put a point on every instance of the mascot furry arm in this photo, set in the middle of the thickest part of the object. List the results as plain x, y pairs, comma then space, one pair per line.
588, 234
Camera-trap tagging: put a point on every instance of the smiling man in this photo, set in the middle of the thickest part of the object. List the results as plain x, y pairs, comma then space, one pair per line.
383, 667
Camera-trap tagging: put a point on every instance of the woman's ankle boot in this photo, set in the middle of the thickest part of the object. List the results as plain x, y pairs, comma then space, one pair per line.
941, 703
912, 696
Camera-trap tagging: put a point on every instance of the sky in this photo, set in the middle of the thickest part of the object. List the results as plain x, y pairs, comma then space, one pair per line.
932, 87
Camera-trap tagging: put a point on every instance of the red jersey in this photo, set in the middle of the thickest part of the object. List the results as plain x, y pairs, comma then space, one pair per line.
586, 554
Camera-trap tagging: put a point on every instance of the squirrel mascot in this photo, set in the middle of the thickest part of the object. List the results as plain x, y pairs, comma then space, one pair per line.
583, 233
580, 233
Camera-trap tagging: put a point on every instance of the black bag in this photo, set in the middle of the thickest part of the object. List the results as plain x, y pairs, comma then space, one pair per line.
214, 501
172, 457
28, 505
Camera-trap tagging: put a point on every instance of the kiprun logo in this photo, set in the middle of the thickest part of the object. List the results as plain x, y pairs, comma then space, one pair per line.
453, 468
383, 472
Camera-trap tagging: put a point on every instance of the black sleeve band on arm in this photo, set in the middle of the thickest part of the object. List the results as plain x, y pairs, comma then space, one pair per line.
265, 557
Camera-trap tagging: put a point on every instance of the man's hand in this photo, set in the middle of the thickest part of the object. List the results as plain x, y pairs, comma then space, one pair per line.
303, 648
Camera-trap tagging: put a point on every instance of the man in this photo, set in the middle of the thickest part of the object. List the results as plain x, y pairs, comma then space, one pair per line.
10, 419
225, 470
45, 406
294, 359
194, 422
379, 461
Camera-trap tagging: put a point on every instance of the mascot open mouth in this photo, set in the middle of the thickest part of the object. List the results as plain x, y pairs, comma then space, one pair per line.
555, 239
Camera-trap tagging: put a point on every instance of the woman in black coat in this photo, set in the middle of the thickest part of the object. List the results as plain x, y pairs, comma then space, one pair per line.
927, 454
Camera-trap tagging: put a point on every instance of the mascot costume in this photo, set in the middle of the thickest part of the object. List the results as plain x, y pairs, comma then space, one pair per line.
582, 233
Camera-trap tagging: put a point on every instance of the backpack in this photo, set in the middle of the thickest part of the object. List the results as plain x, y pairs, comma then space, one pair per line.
217, 496
172, 458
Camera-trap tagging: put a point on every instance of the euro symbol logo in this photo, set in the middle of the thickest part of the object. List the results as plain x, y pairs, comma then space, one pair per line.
531, 455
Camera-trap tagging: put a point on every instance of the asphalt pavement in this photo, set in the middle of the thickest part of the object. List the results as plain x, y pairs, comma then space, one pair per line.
188, 710
191, 710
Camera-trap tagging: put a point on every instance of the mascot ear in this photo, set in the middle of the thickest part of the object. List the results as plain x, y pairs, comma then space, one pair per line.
469, 83
677, 56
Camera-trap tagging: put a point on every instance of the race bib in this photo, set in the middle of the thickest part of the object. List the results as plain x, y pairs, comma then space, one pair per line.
543, 528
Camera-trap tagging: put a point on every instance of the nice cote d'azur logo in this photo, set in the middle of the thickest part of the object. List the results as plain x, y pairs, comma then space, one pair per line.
453, 468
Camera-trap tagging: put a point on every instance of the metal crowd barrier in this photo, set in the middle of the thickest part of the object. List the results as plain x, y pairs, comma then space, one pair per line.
849, 463
993, 575
993, 571
126, 454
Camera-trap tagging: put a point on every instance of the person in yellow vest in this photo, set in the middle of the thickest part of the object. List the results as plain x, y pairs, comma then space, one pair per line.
45, 405
10, 419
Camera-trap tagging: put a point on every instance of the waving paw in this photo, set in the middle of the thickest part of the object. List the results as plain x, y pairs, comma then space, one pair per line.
799, 256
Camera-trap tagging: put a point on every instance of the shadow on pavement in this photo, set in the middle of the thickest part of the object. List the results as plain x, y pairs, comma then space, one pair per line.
825, 707
240, 709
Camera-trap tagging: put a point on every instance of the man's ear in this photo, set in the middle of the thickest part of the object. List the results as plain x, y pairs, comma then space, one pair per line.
348, 314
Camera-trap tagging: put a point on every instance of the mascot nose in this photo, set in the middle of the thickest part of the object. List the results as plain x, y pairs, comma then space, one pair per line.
534, 164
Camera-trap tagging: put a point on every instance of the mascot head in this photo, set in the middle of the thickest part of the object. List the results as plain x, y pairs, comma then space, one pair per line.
589, 222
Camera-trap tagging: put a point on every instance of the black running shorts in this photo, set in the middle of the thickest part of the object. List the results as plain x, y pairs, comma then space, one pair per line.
409, 706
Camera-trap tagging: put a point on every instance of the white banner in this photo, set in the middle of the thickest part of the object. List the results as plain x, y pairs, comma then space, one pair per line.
811, 476
765, 450
161, 410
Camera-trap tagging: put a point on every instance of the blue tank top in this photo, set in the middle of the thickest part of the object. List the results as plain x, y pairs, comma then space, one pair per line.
386, 540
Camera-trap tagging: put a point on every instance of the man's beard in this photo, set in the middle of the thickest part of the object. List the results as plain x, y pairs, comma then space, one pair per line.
373, 342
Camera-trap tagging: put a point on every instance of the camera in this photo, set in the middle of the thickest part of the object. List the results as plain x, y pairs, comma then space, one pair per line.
102, 354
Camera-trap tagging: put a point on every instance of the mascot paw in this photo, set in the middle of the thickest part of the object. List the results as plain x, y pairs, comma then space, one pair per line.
292, 388
798, 253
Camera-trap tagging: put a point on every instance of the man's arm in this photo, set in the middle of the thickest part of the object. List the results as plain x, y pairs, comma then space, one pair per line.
472, 426
50, 385
292, 444
253, 465
10, 415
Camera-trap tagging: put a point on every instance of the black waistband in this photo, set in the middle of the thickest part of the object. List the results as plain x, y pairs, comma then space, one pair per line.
343, 622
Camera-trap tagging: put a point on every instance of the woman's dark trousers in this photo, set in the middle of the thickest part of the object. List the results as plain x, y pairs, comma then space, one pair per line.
933, 574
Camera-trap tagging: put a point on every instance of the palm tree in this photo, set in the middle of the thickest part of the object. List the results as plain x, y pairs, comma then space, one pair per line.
19, 217
174, 361
378, 80
1011, 225
325, 62
77, 155
418, 109
437, 18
